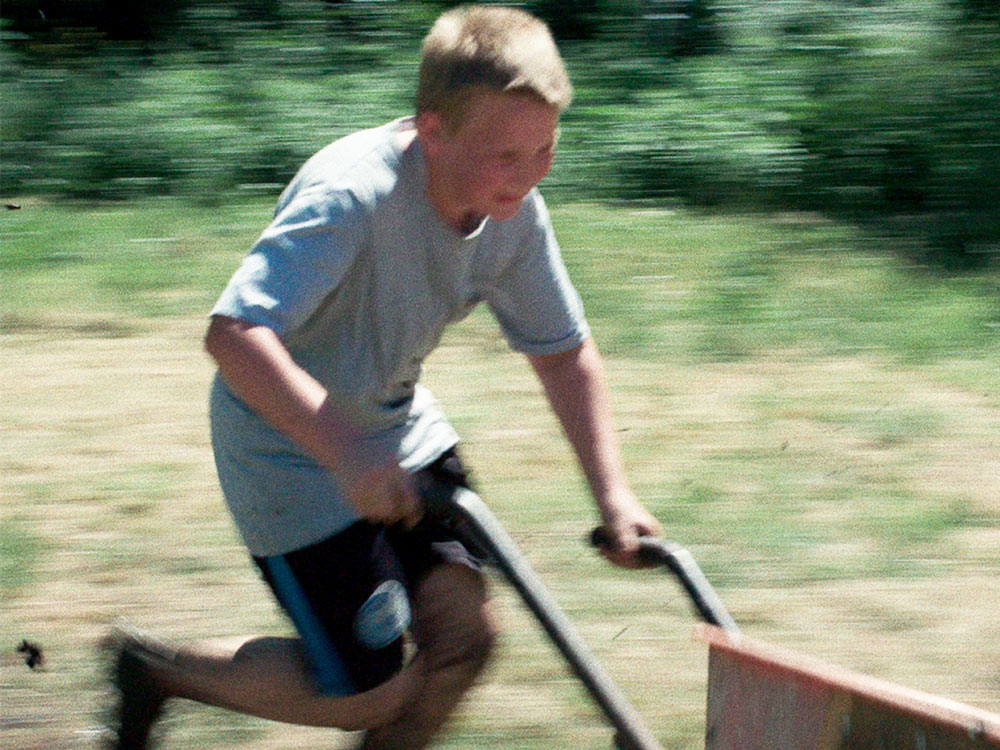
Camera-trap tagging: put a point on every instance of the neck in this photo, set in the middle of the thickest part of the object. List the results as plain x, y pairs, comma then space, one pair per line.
451, 210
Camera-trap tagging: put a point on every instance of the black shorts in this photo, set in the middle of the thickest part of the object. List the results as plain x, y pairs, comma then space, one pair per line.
349, 595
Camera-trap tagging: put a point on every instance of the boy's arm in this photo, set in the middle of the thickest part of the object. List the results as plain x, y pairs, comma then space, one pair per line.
575, 386
258, 368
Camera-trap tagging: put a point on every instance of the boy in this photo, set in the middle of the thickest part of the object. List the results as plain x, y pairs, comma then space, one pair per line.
320, 429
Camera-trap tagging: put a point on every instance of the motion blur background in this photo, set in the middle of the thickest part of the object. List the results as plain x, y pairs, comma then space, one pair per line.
883, 113
782, 217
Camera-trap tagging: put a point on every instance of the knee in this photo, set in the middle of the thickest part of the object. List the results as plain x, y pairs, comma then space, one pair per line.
475, 640
455, 624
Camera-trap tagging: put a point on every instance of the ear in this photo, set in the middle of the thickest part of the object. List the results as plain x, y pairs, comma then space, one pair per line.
431, 132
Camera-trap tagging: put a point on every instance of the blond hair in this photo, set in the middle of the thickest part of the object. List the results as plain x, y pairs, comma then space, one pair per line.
488, 48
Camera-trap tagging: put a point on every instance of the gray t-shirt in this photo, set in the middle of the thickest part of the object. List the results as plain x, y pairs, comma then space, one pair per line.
358, 276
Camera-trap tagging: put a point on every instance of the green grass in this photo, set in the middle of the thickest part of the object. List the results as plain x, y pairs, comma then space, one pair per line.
108, 268
655, 284
817, 423
725, 289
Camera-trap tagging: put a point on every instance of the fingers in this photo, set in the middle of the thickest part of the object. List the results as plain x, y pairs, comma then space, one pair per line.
623, 538
411, 508
398, 501
385, 494
623, 550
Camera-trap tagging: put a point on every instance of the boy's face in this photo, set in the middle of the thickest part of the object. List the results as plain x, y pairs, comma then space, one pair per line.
487, 165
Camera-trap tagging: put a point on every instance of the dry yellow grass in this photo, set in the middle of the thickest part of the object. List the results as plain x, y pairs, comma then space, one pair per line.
108, 479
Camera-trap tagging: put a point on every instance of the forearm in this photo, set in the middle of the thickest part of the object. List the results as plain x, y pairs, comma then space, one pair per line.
577, 390
258, 368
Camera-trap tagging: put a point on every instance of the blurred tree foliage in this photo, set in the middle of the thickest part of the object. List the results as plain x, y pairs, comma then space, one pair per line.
885, 112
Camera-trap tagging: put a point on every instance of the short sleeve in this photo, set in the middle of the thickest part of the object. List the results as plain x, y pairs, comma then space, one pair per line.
533, 300
296, 263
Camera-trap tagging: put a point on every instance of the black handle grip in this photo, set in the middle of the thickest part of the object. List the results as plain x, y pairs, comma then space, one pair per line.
682, 564
649, 547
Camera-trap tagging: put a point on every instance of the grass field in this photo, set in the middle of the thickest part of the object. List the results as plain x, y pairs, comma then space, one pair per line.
819, 423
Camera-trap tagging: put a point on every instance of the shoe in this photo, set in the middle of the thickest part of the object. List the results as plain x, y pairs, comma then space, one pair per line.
140, 698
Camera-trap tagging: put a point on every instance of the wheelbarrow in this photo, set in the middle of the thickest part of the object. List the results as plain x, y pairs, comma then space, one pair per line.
759, 697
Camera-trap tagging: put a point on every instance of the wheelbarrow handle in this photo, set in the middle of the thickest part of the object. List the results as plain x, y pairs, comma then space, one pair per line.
468, 517
654, 551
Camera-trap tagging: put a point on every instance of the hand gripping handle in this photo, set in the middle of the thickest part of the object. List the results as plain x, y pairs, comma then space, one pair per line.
655, 551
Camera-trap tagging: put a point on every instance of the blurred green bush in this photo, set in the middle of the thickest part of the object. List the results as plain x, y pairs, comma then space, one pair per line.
885, 113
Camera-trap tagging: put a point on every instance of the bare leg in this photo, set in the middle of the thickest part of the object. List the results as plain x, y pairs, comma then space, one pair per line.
265, 677
454, 632
269, 677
